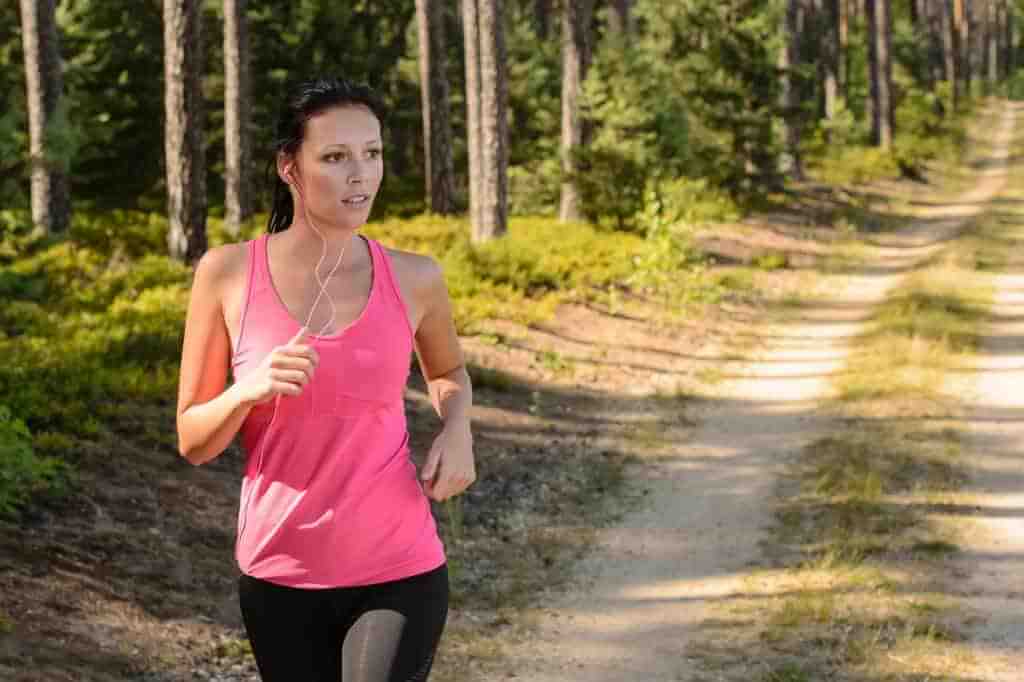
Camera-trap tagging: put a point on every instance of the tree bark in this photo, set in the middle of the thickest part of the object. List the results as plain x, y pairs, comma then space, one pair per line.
790, 102
437, 134
542, 18
237, 117
575, 21
471, 41
183, 147
933, 19
991, 44
880, 65
844, 41
486, 98
963, 48
830, 57
950, 50
621, 18
51, 205
1010, 49
494, 120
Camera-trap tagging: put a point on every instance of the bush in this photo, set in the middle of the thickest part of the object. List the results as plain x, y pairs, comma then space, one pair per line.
89, 318
534, 188
926, 129
522, 275
669, 263
23, 474
641, 132
1015, 86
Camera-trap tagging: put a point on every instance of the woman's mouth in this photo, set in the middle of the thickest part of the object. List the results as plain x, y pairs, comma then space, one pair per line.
357, 200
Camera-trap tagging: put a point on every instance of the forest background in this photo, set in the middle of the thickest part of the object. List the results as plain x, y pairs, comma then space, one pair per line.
631, 120
599, 136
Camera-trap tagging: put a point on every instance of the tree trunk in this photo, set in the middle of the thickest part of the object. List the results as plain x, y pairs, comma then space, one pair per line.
183, 148
880, 64
437, 134
1010, 50
830, 57
621, 18
471, 41
933, 17
237, 117
494, 119
486, 95
542, 18
790, 103
51, 209
950, 49
842, 61
1000, 39
575, 21
963, 55
991, 44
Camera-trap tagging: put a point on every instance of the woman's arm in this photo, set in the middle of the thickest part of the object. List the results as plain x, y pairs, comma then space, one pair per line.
449, 468
208, 416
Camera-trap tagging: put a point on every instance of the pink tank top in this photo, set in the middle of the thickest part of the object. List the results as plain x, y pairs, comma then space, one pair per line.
330, 496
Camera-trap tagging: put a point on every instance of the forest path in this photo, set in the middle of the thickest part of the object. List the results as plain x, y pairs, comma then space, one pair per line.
991, 557
644, 590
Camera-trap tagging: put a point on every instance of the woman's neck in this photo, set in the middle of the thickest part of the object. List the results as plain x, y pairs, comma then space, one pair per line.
302, 241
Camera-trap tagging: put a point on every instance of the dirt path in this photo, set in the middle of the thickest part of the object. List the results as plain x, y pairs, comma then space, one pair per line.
650, 580
992, 556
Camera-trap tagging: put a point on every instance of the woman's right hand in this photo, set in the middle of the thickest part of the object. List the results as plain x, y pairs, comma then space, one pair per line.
285, 371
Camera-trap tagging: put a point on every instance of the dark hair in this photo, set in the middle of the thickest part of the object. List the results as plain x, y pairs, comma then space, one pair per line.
304, 101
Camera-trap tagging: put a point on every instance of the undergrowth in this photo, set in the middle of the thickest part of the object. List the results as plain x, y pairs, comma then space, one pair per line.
92, 322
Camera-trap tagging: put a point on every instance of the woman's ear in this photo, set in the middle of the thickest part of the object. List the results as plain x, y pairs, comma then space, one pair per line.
286, 169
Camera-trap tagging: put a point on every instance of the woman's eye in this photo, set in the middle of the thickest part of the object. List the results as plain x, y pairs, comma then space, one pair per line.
334, 157
374, 153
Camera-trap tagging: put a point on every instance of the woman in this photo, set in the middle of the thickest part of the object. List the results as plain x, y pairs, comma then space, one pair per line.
343, 575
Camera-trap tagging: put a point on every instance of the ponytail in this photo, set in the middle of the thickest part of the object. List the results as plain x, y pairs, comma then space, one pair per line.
282, 211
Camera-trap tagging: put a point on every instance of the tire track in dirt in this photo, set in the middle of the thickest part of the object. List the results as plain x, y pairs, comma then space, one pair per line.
650, 581
991, 560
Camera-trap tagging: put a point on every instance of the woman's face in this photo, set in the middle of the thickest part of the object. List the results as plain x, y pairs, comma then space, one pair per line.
340, 166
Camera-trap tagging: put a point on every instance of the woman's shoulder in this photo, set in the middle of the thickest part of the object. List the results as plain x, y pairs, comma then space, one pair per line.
223, 264
416, 268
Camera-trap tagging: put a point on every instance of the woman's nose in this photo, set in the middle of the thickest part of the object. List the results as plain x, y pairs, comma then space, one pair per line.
357, 172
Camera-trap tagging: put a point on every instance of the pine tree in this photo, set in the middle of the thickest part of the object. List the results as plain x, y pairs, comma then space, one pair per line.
183, 148
237, 107
50, 196
879, 37
575, 24
437, 135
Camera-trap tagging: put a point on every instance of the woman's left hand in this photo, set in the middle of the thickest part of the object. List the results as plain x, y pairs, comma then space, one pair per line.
449, 468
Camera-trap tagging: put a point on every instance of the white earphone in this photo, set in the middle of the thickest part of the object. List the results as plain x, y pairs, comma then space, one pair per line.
291, 180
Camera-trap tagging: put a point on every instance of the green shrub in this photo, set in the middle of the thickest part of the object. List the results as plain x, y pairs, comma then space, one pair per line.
22, 473
129, 233
534, 188
926, 128
669, 263
1015, 86
857, 165
522, 275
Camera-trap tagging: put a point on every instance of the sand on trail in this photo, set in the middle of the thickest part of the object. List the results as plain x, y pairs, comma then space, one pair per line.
991, 557
641, 594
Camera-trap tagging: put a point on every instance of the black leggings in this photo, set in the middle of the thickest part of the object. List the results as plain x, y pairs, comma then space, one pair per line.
386, 632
